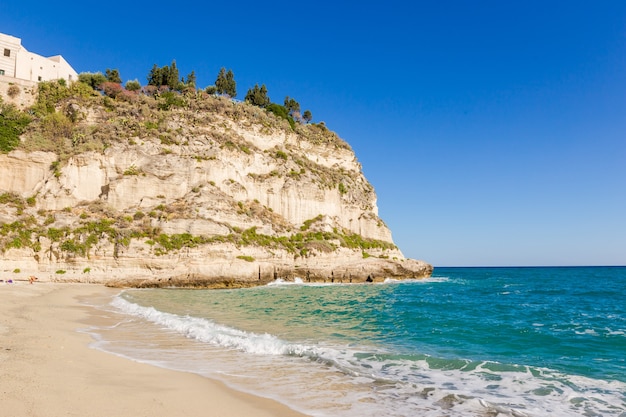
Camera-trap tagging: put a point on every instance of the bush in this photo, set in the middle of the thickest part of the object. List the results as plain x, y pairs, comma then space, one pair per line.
133, 85
12, 124
132, 170
112, 90
73, 246
13, 91
94, 80
170, 99
281, 111
82, 90
50, 94
57, 126
55, 234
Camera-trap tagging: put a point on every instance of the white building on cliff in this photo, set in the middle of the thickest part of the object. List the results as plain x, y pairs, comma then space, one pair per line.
16, 62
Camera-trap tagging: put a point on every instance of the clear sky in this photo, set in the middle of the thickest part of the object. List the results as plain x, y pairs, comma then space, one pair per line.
494, 132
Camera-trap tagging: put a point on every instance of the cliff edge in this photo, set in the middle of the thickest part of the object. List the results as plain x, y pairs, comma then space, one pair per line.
203, 191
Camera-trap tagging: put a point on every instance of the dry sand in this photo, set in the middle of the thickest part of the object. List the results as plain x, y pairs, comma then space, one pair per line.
47, 368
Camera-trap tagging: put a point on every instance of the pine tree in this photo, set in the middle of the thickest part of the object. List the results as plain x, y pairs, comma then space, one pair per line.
292, 105
225, 83
191, 79
172, 79
113, 75
258, 96
307, 116
263, 97
155, 76
231, 85
221, 82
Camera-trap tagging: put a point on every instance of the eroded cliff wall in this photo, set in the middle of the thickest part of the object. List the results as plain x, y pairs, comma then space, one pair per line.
249, 196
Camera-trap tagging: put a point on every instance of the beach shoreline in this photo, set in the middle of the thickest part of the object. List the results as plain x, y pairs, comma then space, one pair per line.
47, 367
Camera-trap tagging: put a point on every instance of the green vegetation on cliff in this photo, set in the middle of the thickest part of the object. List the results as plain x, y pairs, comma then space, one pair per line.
12, 124
120, 231
97, 113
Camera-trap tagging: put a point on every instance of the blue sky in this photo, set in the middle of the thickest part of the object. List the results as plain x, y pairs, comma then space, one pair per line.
493, 132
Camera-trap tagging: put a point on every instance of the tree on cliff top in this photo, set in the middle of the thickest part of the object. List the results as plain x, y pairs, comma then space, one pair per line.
113, 76
166, 75
191, 80
225, 83
258, 96
292, 105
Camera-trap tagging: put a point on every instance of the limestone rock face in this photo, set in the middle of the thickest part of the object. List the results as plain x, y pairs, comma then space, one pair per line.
25, 173
209, 180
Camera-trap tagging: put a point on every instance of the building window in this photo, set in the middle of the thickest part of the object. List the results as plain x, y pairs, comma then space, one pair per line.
39, 78
1, 72
7, 52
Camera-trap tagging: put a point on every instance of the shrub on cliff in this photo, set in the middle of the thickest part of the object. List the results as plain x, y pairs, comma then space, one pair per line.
133, 85
51, 93
169, 99
12, 124
282, 112
13, 91
92, 79
112, 89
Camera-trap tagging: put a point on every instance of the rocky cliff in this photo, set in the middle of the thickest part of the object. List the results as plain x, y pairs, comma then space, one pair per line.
202, 191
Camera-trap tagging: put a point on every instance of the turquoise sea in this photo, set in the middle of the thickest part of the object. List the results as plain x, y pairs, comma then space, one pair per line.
466, 342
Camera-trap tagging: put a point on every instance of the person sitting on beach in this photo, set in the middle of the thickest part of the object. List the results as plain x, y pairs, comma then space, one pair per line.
32, 279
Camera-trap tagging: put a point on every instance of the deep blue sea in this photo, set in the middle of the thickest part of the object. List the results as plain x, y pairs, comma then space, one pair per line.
466, 342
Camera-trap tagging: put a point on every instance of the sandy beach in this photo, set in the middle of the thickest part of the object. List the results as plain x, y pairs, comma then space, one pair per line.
48, 369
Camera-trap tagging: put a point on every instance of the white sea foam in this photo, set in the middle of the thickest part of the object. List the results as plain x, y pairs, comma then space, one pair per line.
398, 386
280, 281
435, 279
206, 331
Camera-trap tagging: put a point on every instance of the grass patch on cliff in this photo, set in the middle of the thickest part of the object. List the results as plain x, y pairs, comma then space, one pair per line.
20, 234
120, 231
14, 200
307, 223
166, 243
302, 243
